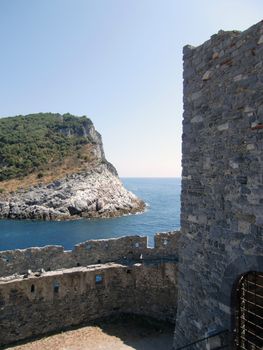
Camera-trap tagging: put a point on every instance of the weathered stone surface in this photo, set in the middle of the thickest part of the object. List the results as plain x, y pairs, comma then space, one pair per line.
55, 300
98, 192
207, 75
221, 201
144, 282
90, 252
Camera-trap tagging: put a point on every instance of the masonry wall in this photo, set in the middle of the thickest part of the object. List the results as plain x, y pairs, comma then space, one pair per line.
90, 252
222, 187
54, 300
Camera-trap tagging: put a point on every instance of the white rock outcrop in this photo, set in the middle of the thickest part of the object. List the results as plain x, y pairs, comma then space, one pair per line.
94, 193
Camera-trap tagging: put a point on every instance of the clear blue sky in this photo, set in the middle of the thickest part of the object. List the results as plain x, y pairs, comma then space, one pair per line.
117, 61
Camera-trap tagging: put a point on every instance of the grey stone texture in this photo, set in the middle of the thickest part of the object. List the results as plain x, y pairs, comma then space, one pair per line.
222, 188
122, 249
48, 289
53, 301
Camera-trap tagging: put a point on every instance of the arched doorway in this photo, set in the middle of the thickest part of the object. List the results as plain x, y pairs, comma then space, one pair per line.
249, 312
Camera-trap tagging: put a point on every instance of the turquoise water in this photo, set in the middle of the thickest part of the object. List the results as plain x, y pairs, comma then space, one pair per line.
163, 214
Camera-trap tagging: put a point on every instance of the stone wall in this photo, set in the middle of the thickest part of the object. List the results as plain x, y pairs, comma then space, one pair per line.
222, 187
51, 301
90, 252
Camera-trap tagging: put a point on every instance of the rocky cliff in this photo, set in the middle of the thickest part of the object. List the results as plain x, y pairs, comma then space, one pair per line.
62, 174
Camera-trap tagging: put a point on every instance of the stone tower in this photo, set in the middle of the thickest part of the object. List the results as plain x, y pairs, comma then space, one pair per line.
222, 179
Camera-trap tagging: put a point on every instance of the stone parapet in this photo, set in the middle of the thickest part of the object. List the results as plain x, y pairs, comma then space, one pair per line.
90, 252
45, 302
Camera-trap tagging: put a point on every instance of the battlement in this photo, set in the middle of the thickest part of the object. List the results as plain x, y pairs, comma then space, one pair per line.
143, 282
90, 252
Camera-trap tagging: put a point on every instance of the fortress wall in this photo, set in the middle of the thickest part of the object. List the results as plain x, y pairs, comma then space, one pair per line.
87, 253
55, 300
222, 179
156, 291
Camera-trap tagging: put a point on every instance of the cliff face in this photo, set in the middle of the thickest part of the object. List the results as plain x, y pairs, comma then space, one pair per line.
72, 179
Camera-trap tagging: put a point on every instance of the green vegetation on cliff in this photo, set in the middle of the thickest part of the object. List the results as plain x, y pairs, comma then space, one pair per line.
28, 143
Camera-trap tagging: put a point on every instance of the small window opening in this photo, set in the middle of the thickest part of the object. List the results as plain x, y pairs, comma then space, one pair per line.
32, 288
78, 264
137, 245
99, 261
128, 271
99, 278
56, 288
165, 242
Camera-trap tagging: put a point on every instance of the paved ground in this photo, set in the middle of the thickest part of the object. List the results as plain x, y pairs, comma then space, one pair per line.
125, 334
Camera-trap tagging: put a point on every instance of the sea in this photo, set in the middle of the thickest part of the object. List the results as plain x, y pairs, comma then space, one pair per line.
162, 214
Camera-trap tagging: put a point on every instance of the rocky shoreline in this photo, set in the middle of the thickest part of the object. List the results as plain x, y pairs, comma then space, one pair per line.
95, 193
91, 187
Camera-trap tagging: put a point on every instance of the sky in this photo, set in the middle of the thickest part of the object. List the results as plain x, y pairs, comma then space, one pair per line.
117, 61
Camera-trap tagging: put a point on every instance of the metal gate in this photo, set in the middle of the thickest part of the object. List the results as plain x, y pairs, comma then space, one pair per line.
249, 330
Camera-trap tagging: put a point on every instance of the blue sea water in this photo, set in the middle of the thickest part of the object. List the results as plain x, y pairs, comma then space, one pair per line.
163, 214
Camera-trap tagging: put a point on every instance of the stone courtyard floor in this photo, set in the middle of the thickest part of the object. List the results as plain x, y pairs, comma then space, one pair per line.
121, 334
